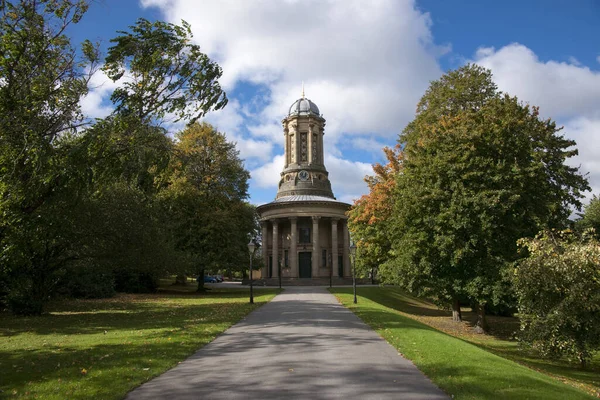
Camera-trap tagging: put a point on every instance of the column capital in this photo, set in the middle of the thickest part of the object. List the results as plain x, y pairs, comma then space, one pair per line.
334, 220
293, 218
316, 218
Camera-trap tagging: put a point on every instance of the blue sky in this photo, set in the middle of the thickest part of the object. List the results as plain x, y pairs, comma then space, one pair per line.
366, 64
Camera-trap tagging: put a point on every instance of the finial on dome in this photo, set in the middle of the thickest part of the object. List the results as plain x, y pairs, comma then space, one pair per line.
302, 89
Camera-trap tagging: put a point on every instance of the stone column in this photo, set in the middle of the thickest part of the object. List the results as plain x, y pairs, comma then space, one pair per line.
265, 248
286, 153
346, 249
293, 248
334, 247
275, 249
321, 156
310, 144
316, 248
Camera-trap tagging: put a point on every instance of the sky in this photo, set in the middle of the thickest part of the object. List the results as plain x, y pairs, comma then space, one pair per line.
366, 64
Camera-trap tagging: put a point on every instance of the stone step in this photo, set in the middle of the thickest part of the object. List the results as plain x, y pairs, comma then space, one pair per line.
305, 282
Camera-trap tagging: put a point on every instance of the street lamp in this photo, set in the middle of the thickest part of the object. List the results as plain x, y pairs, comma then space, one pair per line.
251, 247
353, 255
280, 261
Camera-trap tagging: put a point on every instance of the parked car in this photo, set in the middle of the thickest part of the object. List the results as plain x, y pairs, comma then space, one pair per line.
219, 278
209, 279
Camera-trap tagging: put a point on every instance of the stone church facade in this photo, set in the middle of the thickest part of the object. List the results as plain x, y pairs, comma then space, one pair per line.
304, 230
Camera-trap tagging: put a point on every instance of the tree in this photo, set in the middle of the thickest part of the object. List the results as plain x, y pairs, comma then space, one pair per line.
58, 170
41, 85
368, 217
558, 288
164, 74
480, 171
205, 199
590, 219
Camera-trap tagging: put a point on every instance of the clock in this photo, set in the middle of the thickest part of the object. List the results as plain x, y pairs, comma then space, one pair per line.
303, 175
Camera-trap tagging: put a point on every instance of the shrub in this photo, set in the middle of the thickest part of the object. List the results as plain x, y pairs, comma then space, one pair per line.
558, 291
22, 304
135, 282
89, 283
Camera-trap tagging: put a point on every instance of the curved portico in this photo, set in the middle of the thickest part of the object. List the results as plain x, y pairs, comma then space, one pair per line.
304, 230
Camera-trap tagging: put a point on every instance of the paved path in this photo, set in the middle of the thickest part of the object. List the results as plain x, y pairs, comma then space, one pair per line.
301, 345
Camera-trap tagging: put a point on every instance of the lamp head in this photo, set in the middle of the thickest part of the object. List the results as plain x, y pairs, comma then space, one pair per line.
251, 246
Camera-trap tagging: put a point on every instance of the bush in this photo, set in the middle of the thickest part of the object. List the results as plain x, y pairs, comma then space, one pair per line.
558, 291
89, 283
22, 304
135, 282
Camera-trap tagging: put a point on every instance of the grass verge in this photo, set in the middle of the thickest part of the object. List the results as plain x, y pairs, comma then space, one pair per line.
462, 368
102, 349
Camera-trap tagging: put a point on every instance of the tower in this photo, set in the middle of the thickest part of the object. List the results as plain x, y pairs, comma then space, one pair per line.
304, 171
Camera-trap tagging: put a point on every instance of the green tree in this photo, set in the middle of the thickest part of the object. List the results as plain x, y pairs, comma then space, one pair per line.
480, 171
558, 288
164, 74
591, 217
41, 85
205, 200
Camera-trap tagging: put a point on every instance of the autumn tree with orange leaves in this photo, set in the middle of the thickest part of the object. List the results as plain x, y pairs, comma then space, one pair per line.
368, 217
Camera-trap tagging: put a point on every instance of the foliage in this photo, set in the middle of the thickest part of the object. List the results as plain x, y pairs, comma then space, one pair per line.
88, 282
480, 170
461, 362
205, 200
42, 84
369, 217
164, 74
80, 199
120, 342
590, 219
558, 287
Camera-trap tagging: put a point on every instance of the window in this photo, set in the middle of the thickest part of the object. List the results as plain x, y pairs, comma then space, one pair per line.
304, 234
324, 258
286, 262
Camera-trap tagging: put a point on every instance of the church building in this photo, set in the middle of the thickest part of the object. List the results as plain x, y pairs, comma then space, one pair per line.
304, 230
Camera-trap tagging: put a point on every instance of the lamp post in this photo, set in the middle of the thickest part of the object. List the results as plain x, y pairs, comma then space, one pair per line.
251, 247
330, 270
353, 255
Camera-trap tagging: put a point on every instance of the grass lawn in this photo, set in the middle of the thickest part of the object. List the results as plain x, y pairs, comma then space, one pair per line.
101, 349
463, 364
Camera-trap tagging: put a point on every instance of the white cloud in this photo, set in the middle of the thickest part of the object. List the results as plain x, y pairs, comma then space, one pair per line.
347, 177
586, 132
561, 90
96, 103
267, 176
364, 64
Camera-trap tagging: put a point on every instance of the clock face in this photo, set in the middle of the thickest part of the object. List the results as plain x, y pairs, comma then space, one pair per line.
303, 175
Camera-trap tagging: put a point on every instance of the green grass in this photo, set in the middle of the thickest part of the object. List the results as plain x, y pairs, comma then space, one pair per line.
462, 366
102, 349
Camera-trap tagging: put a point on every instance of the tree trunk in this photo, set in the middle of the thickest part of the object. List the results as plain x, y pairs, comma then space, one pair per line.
481, 326
456, 313
181, 280
201, 287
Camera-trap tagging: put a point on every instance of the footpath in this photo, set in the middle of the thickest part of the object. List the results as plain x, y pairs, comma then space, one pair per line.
301, 345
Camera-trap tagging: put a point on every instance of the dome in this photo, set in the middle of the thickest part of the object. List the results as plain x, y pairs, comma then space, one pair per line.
304, 106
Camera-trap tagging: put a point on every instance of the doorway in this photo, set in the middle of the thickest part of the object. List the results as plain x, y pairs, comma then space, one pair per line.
304, 264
